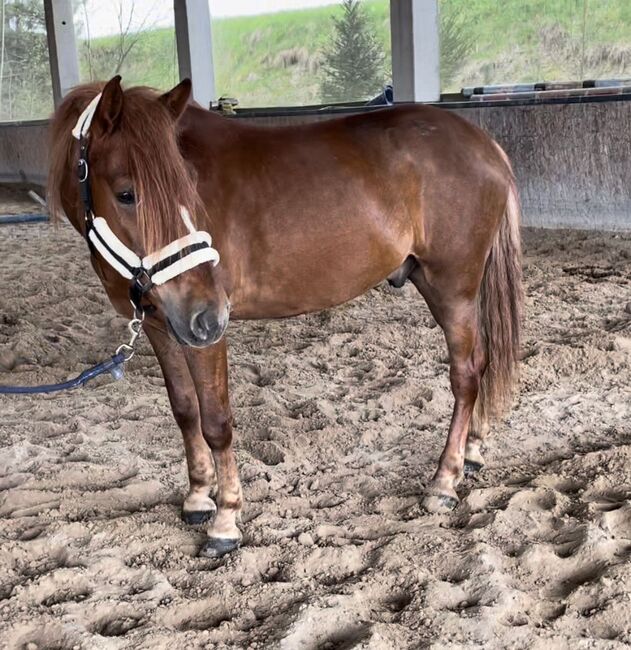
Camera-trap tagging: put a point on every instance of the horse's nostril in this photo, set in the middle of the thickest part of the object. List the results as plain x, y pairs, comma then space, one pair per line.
207, 326
202, 324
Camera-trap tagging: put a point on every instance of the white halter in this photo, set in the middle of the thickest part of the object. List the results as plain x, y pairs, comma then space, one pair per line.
161, 266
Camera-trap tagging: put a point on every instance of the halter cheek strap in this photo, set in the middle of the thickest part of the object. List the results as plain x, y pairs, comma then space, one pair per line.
157, 268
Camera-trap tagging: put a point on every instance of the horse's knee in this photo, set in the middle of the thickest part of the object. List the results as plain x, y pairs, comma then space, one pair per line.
185, 410
217, 430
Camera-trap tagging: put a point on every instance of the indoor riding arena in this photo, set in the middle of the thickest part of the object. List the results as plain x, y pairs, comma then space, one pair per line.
337, 183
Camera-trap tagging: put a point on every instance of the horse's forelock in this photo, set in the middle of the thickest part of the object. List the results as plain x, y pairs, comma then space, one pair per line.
161, 180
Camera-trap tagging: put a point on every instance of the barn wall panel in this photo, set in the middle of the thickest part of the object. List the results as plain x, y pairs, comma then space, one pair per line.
572, 161
24, 151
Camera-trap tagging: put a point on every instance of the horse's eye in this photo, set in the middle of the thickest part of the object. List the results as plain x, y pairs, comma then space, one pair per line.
126, 198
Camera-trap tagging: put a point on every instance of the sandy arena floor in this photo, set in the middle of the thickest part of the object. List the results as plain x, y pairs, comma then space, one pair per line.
340, 418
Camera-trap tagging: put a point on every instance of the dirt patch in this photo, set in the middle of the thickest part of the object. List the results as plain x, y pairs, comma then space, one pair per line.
340, 418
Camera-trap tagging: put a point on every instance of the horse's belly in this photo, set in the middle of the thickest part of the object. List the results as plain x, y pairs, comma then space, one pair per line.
316, 280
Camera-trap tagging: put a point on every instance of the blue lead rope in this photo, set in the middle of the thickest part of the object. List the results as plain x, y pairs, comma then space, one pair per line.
114, 366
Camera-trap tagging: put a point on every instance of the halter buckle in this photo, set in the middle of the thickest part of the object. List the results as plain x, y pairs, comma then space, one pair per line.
141, 284
142, 280
82, 170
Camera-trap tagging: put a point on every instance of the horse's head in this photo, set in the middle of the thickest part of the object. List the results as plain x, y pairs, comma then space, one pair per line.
145, 205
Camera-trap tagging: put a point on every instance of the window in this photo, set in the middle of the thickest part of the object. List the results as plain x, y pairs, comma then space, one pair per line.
25, 84
133, 38
290, 52
487, 42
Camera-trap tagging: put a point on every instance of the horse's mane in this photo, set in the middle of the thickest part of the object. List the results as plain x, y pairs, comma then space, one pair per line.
160, 176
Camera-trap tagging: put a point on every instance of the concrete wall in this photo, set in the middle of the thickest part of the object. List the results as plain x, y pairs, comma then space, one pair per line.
572, 161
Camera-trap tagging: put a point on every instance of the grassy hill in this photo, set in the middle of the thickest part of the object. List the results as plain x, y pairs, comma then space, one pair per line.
545, 40
266, 60
274, 59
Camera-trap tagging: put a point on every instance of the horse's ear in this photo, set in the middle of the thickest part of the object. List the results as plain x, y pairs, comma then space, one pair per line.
110, 107
176, 99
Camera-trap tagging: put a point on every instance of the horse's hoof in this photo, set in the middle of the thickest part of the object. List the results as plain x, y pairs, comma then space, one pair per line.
216, 547
471, 467
440, 503
196, 517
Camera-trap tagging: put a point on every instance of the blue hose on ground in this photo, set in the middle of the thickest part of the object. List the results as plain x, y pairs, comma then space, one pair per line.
114, 365
6, 219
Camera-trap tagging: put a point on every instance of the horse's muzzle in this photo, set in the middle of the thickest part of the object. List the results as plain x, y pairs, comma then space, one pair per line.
205, 327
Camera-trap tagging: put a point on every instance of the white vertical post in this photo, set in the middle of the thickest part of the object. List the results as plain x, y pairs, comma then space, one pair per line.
414, 29
62, 47
194, 47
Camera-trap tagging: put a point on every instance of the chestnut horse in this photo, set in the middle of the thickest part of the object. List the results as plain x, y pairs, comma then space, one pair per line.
304, 218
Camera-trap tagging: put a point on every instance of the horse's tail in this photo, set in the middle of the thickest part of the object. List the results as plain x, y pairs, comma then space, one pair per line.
500, 309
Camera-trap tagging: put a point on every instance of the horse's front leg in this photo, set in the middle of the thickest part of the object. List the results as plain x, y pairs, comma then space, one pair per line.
198, 505
209, 369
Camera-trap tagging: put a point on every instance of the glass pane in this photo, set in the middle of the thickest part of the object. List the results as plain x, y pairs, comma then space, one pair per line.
25, 84
300, 52
486, 42
133, 38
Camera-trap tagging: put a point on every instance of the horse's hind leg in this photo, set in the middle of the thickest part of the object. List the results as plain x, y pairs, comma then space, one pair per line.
456, 312
198, 506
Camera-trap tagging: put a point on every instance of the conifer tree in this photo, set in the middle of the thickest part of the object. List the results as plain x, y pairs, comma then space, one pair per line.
353, 62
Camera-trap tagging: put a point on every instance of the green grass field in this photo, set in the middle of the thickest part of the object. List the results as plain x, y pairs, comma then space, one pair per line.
273, 59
